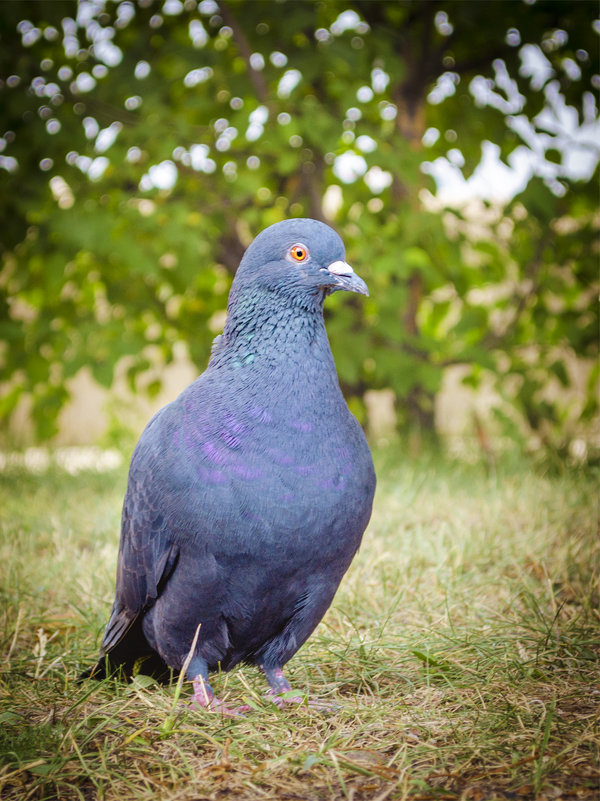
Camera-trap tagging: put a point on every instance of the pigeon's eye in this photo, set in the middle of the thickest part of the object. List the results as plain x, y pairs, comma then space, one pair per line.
298, 252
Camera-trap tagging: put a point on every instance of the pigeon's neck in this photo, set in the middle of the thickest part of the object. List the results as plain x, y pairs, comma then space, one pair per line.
263, 329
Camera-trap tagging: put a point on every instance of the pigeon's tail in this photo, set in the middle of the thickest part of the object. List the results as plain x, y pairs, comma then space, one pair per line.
121, 622
129, 656
97, 671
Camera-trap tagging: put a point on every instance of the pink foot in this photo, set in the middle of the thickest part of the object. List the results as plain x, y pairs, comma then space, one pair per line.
282, 695
204, 697
216, 705
282, 701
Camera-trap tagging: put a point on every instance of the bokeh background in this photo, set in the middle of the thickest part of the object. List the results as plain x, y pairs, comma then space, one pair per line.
454, 146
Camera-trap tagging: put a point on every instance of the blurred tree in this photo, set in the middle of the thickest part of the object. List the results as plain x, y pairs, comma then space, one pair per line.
146, 143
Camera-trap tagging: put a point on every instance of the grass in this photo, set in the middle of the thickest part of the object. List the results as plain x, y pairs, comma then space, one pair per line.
461, 653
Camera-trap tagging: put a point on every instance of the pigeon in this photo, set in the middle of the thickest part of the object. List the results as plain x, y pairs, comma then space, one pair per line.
249, 494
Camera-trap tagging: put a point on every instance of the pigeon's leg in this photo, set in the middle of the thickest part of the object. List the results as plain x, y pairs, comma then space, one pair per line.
203, 692
279, 687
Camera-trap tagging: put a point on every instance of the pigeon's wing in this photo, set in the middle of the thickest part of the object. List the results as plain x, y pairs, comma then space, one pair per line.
147, 557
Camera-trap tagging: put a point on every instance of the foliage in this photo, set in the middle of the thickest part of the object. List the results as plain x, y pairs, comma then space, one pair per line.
266, 110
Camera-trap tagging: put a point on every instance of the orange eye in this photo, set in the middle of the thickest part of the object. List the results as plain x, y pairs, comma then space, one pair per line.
298, 252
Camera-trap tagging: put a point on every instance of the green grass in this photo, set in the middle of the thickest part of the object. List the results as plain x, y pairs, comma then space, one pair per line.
461, 654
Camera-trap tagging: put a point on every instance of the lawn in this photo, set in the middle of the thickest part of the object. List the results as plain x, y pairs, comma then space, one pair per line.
461, 654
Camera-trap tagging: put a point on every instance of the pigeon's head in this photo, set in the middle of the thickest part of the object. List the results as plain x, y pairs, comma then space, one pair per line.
302, 257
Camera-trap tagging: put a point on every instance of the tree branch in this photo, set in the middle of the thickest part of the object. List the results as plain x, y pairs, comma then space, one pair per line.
531, 272
256, 77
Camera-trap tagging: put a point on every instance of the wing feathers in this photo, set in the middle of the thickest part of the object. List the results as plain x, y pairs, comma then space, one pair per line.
121, 620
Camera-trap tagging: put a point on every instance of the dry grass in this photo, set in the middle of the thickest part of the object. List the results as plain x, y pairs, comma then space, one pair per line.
461, 654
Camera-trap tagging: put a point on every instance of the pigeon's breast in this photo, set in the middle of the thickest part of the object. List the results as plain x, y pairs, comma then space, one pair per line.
305, 481
292, 467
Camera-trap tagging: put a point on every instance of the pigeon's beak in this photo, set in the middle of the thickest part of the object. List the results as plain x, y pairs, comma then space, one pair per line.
346, 278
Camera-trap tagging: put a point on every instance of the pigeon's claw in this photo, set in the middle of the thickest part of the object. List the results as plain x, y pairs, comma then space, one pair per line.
282, 701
